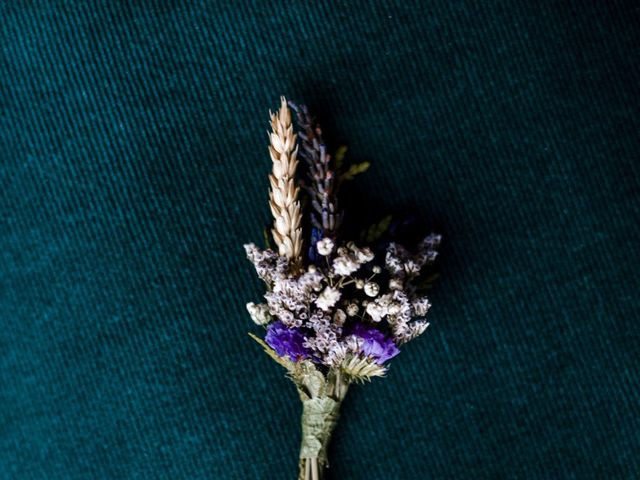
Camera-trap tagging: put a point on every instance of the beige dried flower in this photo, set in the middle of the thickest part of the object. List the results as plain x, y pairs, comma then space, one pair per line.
362, 369
259, 313
283, 197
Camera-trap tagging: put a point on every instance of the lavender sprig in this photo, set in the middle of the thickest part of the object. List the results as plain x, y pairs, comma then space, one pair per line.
323, 185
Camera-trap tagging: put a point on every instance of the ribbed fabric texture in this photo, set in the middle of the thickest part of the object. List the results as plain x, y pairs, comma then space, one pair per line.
133, 166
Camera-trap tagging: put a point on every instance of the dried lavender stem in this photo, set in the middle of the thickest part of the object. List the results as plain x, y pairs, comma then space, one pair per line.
322, 188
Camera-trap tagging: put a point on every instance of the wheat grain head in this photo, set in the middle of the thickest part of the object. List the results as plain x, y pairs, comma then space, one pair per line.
283, 196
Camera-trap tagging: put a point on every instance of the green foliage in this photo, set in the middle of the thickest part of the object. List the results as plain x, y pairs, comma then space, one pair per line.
285, 362
310, 381
338, 158
354, 170
266, 235
375, 231
424, 284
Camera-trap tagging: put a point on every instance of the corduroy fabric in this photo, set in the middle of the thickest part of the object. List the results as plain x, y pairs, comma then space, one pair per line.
133, 166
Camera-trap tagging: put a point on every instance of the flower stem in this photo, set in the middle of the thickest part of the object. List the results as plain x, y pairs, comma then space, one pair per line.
310, 469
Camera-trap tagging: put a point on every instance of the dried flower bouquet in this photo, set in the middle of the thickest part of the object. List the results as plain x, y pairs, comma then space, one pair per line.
336, 312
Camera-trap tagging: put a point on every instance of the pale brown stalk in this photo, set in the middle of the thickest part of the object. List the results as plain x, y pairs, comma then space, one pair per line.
283, 196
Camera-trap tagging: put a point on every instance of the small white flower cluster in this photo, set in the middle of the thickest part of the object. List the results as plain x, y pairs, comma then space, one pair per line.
340, 351
259, 313
349, 259
320, 299
268, 264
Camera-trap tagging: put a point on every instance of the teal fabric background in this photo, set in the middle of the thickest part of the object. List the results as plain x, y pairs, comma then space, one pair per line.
133, 167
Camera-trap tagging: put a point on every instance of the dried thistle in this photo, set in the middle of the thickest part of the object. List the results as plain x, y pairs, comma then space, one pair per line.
283, 197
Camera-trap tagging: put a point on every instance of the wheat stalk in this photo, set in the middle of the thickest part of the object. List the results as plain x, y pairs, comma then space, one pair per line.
283, 196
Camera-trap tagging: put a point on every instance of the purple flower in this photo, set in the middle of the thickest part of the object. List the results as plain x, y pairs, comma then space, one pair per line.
376, 344
286, 341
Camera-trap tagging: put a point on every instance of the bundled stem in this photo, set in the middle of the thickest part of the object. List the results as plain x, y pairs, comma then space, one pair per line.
320, 415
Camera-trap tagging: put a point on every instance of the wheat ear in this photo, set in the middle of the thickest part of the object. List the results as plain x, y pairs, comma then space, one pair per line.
283, 197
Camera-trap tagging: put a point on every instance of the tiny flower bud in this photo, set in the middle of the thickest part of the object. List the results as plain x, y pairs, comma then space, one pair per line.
359, 284
324, 246
371, 289
376, 269
352, 309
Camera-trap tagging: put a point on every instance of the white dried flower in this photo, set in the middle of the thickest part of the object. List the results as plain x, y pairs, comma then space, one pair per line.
348, 346
404, 332
344, 266
376, 269
412, 268
421, 306
376, 311
371, 289
325, 338
359, 284
417, 328
395, 284
361, 255
352, 309
339, 317
364, 255
268, 264
336, 355
431, 241
259, 313
394, 309
287, 317
328, 298
324, 246
379, 308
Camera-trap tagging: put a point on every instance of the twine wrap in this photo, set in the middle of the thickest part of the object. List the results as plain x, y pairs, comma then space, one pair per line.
321, 398
319, 419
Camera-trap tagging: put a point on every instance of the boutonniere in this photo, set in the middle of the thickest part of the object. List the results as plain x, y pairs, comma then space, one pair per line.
336, 310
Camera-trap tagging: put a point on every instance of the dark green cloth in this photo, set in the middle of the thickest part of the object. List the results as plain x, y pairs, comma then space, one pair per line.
133, 166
